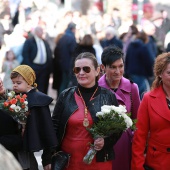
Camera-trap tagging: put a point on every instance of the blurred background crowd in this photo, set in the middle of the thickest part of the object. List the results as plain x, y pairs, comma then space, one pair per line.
70, 27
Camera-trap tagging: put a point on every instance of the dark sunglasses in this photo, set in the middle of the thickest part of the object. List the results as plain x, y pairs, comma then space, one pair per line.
86, 69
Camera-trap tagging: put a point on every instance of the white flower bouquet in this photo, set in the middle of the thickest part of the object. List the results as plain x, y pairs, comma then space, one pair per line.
16, 106
111, 120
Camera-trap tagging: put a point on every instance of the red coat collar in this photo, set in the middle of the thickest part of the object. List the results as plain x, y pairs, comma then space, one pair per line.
159, 104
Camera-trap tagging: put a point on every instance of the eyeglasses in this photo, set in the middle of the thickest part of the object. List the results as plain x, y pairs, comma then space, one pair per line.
86, 69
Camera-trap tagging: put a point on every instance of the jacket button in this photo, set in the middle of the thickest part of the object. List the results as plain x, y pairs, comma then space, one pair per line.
168, 149
154, 148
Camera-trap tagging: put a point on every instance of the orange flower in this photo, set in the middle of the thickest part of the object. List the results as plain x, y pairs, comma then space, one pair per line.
11, 109
22, 100
6, 104
14, 101
18, 97
16, 105
24, 96
10, 101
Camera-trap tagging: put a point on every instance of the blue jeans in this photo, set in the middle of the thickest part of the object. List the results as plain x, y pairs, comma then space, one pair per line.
142, 83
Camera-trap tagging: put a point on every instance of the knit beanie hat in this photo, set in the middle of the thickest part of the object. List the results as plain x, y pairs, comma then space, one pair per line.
27, 73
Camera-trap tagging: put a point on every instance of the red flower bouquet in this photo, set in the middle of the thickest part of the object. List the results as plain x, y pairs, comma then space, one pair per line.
16, 106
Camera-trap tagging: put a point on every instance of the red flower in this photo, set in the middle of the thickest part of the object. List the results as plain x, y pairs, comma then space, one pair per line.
16, 101
22, 100
10, 102
18, 97
13, 101
6, 104
11, 109
24, 96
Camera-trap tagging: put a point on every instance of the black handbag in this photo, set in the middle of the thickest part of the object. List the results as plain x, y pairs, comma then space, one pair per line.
147, 167
60, 160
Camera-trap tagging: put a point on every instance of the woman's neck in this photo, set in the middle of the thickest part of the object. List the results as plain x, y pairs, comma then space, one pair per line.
87, 93
166, 91
85, 89
113, 84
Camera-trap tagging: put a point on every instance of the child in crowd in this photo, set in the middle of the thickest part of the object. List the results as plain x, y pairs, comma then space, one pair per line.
8, 65
39, 132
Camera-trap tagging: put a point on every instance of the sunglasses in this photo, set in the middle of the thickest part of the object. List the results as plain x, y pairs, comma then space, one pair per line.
77, 70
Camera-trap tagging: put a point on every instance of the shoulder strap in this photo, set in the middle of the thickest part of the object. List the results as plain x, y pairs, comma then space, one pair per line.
131, 98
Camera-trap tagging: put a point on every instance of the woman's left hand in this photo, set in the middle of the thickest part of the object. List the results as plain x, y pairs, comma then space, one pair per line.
98, 144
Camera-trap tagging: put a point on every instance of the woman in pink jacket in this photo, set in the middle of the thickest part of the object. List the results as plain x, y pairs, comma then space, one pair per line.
127, 94
153, 125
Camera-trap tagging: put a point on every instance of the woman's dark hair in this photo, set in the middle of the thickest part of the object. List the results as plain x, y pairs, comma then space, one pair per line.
111, 54
122, 36
87, 40
89, 56
142, 36
134, 29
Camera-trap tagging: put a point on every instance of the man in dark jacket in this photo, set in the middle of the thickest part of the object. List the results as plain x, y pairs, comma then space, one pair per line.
37, 54
63, 52
111, 38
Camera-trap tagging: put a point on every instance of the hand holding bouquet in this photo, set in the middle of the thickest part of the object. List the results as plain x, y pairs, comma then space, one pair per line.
16, 106
111, 120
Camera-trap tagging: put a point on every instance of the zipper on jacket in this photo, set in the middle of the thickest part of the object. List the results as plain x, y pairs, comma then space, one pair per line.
66, 125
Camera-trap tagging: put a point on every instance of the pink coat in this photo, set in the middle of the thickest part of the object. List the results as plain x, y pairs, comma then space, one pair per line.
126, 92
123, 94
153, 121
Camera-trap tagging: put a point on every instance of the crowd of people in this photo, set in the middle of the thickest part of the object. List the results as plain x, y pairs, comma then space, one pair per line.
91, 65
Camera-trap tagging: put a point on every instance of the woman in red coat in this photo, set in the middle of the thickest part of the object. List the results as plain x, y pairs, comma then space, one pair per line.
153, 125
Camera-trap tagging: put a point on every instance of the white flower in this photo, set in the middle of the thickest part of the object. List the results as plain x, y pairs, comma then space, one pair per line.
120, 109
11, 94
13, 106
106, 109
128, 121
26, 102
17, 109
26, 108
99, 114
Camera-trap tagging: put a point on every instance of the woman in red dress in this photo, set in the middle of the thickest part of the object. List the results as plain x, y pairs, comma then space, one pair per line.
76, 110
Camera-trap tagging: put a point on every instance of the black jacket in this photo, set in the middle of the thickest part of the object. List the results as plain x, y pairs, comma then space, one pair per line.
66, 106
30, 51
39, 132
10, 134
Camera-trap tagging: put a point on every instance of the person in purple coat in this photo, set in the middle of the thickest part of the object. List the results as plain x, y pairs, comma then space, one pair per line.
127, 93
